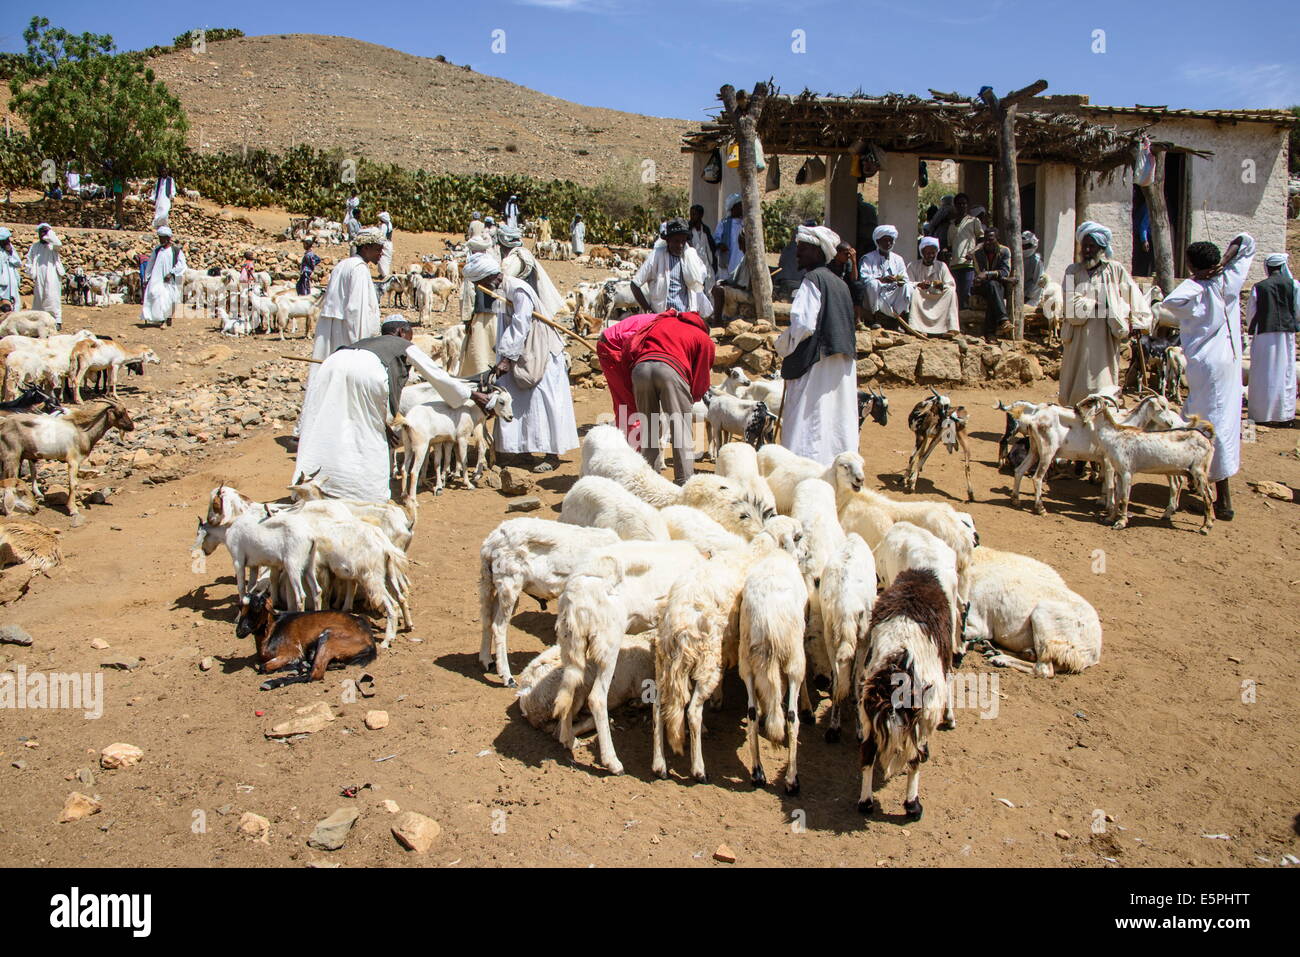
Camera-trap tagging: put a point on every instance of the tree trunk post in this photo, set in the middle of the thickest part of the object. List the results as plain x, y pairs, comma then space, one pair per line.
1162, 236
744, 111
1003, 112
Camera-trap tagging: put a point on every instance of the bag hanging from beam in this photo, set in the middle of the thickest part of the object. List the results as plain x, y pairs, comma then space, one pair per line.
1144, 170
733, 155
712, 172
773, 175
812, 171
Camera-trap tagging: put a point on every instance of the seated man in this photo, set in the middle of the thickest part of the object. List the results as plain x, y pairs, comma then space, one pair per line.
884, 277
992, 269
733, 288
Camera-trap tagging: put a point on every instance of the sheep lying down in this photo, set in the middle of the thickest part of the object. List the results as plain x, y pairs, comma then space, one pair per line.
1024, 607
540, 680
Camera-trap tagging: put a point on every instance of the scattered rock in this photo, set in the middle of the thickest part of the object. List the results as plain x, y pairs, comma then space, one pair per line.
99, 644
312, 718
78, 806
391, 806
901, 361
1063, 834
376, 720
516, 482
724, 854
86, 776
206, 664
255, 826
416, 832
20, 764
1272, 489
120, 755
330, 833
14, 635
530, 504
940, 362
121, 664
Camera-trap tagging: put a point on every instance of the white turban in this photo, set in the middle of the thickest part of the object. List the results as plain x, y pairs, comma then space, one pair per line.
509, 236
1099, 233
1028, 240
732, 200
880, 231
927, 241
479, 244
823, 237
164, 231
480, 266
385, 218
353, 203
368, 237
1278, 260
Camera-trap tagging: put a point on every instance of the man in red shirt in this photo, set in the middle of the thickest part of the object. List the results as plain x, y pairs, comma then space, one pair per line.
671, 359
616, 364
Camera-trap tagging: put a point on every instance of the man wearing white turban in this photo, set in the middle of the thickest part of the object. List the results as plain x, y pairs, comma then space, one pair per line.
934, 298
1207, 310
578, 235
45, 266
163, 275
477, 309
350, 308
385, 228
726, 236
10, 271
1273, 317
352, 223
1103, 306
819, 413
544, 419
519, 263
512, 211
884, 279
1033, 261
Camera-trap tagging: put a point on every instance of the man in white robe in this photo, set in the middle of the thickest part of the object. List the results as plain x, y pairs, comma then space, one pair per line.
164, 192
578, 235
350, 308
476, 229
1207, 310
1103, 306
10, 271
164, 274
701, 240
820, 414
884, 279
385, 228
933, 308
45, 267
350, 404
512, 212
672, 276
1273, 318
517, 262
352, 222
543, 420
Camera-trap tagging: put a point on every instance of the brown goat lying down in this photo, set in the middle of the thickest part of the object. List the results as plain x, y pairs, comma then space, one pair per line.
308, 642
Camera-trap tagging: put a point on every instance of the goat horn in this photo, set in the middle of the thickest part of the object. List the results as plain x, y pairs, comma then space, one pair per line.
936, 392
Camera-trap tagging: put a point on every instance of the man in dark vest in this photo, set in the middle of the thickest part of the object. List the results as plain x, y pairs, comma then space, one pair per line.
1272, 318
354, 395
819, 412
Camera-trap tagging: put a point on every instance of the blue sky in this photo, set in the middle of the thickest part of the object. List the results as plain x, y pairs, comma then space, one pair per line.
668, 58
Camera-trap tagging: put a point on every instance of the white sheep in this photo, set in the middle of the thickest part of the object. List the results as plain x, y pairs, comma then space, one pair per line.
903, 693
36, 323
814, 508
726, 502
738, 461
847, 594
540, 681
687, 524
785, 470
526, 556
597, 502
618, 590
774, 601
605, 452
1022, 605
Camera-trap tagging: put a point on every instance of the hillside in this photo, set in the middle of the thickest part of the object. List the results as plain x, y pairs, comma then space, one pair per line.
276, 91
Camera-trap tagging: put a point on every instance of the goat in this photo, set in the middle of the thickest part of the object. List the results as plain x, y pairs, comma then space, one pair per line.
903, 687
784, 470
727, 415
540, 681
67, 438
596, 502
932, 420
875, 404
308, 642
97, 355
1129, 450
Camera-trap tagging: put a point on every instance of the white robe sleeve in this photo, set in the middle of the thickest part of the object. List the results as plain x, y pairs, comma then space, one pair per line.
510, 343
454, 392
1234, 275
178, 269
805, 309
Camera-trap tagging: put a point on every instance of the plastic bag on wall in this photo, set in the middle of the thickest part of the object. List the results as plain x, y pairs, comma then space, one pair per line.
733, 156
712, 172
1144, 170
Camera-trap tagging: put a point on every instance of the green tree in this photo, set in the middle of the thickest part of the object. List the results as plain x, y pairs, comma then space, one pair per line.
105, 113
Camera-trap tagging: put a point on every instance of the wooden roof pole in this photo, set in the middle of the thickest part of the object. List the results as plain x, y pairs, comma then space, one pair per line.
1162, 243
744, 110
1004, 167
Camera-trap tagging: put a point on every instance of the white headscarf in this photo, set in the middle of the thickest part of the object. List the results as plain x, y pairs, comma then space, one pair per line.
1099, 233
880, 231
385, 218
1276, 260
1028, 240
822, 236
927, 241
480, 266
164, 231
509, 237
479, 244
368, 237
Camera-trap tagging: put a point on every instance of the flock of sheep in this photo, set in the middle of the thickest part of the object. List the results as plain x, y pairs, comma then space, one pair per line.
769, 565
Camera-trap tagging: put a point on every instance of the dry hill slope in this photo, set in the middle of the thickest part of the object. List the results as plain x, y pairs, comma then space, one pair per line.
274, 91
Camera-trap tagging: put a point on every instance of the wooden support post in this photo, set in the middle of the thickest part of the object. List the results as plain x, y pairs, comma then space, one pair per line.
1003, 111
743, 110
1162, 235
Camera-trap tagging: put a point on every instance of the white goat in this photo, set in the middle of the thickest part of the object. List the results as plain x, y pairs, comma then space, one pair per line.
728, 415
540, 681
785, 470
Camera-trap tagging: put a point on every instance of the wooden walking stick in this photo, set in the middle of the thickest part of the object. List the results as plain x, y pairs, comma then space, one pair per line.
303, 359
539, 317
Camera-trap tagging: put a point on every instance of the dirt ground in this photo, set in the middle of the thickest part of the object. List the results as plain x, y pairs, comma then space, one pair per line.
1135, 761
